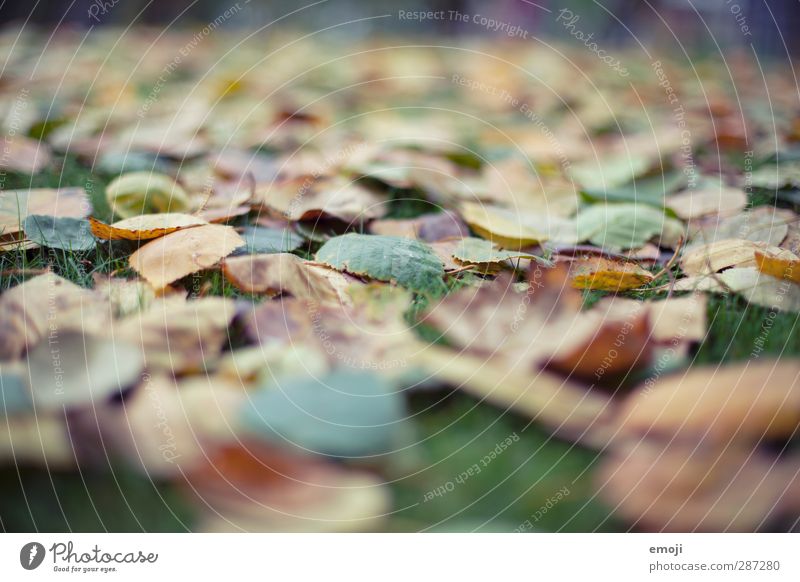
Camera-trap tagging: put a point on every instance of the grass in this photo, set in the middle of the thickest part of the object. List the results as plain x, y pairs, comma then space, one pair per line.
453, 430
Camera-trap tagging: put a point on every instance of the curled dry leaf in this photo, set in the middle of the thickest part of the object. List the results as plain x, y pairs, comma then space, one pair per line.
287, 273
138, 193
144, 226
723, 254
173, 256
602, 274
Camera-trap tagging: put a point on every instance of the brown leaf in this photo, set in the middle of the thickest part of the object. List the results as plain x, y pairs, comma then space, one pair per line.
46, 306
25, 155
661, 486
171, 257
307, 198
747, 402
179, 336
722, 254
722, 201
287, 273
250, 486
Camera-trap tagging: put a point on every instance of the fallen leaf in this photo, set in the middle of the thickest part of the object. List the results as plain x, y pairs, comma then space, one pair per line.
175, 255
179, 336
763, 224
286, 273
753, 401
17, 205
626, 226
69, 234
783, 265
25, 155
428, 227
258, 240
307, 198
478, 251
602, 274
409, 263
137, 193
253, 487
512, 230
165, 428
77, 370
722, 254
144, 226
45, 307
721, 201
345, 413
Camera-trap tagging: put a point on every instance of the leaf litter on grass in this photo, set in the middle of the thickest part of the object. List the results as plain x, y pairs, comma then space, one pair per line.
266, 319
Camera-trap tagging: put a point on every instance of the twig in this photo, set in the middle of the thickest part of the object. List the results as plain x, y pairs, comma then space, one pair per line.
671, 261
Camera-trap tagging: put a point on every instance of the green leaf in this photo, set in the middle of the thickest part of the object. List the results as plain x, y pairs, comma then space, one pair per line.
261, 240
626, 226
14, 394
650, 190
345, 413
611, 171
409, 263
69, 234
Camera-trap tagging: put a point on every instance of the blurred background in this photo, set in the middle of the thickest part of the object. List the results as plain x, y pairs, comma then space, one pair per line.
770, 26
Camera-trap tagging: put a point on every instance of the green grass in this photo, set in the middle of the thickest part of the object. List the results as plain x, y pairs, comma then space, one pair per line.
93, 500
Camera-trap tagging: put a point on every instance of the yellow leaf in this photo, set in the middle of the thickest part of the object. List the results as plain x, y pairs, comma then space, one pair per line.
143, 227
786, 266
601, 274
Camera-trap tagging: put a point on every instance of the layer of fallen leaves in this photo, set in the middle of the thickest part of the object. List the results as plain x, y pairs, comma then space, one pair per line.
273, 281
